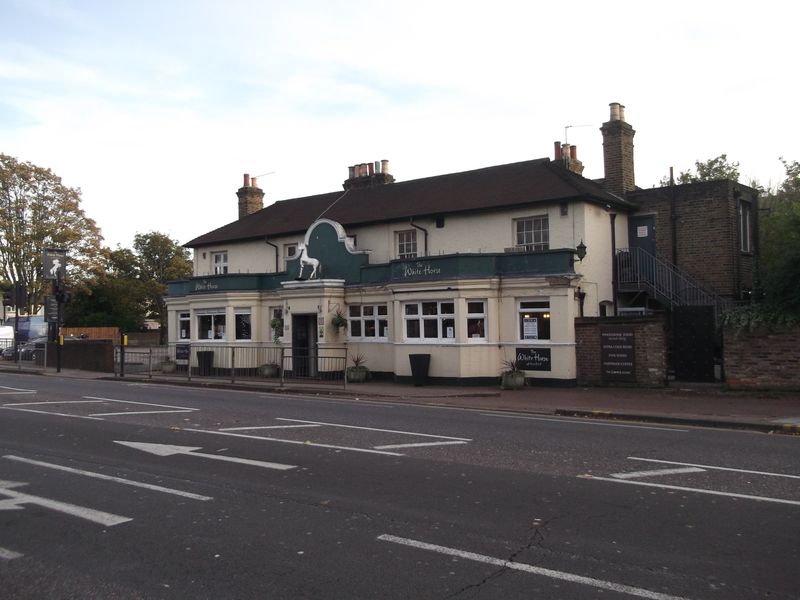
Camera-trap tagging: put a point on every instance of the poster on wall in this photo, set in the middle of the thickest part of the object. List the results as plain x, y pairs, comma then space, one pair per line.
534, 359
182, 352
530, 328
618, 353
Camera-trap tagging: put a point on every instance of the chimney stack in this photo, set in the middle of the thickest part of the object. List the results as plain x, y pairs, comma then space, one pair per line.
567, 155
618, 152
251, 198
369, 174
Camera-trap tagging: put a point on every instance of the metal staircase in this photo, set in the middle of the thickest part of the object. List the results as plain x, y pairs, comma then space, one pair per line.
638, 270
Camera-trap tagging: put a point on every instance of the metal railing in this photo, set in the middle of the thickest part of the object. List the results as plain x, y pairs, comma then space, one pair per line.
234, 362
644, 271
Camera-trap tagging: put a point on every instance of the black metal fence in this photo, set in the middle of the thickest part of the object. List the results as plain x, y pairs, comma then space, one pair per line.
235, 362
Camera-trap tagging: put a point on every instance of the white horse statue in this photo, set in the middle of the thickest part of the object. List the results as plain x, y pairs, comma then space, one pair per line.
306, 260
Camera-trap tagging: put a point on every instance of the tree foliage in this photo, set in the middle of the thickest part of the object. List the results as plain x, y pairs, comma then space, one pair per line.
713, 169
36, 212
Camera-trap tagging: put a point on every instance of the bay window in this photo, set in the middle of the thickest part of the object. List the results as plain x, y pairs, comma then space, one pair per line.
368, 321
430, 321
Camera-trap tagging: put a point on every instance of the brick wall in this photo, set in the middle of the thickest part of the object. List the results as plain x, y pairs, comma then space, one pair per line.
765, 360
707, 232
650, 349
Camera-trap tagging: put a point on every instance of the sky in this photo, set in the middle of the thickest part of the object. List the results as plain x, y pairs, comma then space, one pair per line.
156, 108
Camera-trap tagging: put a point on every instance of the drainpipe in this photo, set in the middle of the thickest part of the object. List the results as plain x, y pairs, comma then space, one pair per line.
614, 283
266, 241
423, 230
673, 218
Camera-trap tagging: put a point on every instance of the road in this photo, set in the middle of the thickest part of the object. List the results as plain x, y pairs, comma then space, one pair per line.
112, 489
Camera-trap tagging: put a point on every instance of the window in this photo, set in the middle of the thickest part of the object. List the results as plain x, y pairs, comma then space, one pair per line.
407, 244
276, 322
220, 262
242, 323
289, 252
533, 233
476, 320
430, 320
534, 320
211, 324
369, 321
745, 230
184, 326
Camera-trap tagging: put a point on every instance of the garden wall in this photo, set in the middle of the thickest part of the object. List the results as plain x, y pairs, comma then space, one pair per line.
762, 359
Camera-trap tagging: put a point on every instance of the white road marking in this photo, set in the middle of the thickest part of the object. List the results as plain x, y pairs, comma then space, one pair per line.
6, 554
671, 462
526, 568
185, 408
138, 412
296, 442
577, 421
139, 484
169, 450
89, 514
419, 445
268, 427
55, 402
441, 437
656, 473
12, 390
47, 412
696, 490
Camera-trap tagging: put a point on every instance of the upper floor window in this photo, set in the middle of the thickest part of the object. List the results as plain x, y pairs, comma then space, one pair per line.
369, 321
532, 233
289, 252
407, 244
430, 320
534, 320
219, 261
745, 227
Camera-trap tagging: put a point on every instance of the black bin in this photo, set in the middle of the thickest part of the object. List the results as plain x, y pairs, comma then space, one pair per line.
419, 368
205, 362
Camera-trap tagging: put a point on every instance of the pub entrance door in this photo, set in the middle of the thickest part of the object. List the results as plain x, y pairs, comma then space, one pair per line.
304, 345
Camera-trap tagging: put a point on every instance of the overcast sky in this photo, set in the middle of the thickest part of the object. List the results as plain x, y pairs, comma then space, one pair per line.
155, 108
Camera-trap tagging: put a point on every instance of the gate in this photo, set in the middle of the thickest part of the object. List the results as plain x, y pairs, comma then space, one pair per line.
694, 344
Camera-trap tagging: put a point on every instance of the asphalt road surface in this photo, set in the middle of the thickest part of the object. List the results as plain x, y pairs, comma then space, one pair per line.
128, 490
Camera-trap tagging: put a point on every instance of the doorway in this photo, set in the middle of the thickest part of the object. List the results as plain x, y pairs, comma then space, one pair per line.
304, 345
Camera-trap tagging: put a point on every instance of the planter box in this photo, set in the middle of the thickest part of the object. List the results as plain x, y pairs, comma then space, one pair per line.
512, 380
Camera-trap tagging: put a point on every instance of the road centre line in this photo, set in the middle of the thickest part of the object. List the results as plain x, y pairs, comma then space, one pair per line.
139, 484
55, 402
697, 490
185, 408
578, 421
421, 444
269, 427
6, 554
296, 442
47, 412
526, 568
657, 473
671, 462
441, 437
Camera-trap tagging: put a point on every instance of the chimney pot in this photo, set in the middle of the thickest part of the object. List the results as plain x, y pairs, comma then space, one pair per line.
615, 112
370, 169
557, 147
377, 167
385, 166
253, 182
573, 153
351, 172
246, 180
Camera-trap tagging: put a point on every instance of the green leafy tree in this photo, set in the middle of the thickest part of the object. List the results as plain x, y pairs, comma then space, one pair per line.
107, 301
36, 212
712, 169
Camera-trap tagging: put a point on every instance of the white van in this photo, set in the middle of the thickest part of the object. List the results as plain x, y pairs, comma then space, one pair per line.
6, 337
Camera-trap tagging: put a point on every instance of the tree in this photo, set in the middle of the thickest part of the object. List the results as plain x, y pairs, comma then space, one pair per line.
36, 212
107, 301
713, 169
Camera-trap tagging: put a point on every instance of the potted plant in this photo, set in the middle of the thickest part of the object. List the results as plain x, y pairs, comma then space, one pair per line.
339, 321
513, 377
358, 373
277, 330
268, 370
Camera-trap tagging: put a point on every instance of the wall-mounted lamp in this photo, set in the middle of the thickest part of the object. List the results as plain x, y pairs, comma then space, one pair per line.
580, 250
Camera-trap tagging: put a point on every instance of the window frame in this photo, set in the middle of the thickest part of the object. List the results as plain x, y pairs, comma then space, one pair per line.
471, 319
527, 238
287, 256
406, 248
745, 227
217, 317
239, 324
184, 325
425, 318
219, 267
369, 317
522, 315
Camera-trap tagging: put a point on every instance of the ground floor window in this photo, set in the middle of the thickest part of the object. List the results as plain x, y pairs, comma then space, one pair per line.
184, 326
242, 318
534, 320
430, 320
211, 325
476, 320
370, 321
276, 322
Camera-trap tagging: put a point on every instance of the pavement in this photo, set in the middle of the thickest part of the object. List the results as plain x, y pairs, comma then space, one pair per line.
690, 404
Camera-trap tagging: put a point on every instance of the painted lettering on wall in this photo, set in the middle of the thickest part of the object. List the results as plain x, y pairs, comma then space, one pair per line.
420, 269
205, 285
617, 353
